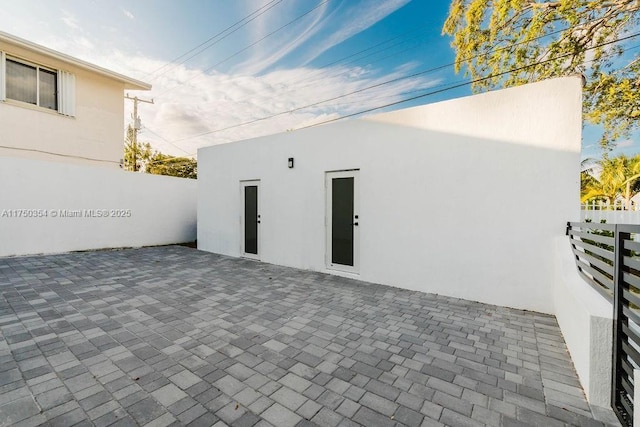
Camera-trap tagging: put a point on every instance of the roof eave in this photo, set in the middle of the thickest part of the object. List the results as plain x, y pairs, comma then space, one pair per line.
129, 83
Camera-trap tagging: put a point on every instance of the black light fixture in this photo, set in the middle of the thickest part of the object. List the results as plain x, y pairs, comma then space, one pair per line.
290, 162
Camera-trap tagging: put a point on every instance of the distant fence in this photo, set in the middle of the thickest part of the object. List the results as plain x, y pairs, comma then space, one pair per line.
610, 216
48, 207
618, 205
608, 258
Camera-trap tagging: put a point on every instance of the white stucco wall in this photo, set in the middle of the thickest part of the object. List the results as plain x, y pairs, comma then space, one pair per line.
611, 217
585, 318
162, 209
445, 193
96, 131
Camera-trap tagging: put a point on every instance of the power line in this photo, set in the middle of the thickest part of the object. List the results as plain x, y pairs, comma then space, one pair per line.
444, 87
393, 81
317, 77
370, 87
463, 84
146, 128
247, 48
249, 18
322, 69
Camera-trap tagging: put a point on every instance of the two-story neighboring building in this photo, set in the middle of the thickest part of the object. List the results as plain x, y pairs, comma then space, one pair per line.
56, 107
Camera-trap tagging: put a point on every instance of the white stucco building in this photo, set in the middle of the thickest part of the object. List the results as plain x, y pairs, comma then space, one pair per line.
436, 198
467, 198
59, 108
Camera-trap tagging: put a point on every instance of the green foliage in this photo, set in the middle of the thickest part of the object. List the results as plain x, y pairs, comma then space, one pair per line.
141, 157
183, 167
544, 39
136, 155
617, 177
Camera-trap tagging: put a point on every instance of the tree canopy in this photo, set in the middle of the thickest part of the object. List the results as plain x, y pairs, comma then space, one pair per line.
536, 40
163, 164
610, 179
141, 157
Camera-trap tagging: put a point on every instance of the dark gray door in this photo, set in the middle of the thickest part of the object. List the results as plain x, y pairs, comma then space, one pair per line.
343, 231
342, 220
250, 219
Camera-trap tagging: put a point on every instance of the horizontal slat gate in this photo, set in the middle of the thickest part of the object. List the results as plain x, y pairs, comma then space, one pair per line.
608, 258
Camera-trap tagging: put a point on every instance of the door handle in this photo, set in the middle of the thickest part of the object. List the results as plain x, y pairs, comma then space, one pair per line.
355, 224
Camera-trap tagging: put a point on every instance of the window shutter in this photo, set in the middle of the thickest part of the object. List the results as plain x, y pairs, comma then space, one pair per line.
66, 93
3, 80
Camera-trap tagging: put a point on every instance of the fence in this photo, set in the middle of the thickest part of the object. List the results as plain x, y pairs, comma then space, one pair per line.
617, 205
608, 258
48, 207
610, 216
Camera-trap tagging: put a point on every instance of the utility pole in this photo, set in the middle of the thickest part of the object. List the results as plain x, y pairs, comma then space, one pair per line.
137, 125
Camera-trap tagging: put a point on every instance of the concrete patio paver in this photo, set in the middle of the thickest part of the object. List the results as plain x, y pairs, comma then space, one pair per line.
174, 336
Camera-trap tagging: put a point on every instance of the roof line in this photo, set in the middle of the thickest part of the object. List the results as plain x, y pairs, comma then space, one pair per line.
130, 83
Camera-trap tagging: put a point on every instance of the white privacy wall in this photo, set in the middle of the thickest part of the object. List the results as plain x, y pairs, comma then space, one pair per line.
611, 217
162, 209
585, 318
446, 192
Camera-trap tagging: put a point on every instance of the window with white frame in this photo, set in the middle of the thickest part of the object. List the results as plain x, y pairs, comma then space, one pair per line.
37, 85
32, 84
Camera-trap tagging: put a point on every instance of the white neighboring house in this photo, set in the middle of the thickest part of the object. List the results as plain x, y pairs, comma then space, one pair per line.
59, 108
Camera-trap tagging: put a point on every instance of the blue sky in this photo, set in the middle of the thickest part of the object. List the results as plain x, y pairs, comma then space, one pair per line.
284, 55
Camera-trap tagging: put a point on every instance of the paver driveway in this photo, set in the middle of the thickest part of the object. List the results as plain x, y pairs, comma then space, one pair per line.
171, 335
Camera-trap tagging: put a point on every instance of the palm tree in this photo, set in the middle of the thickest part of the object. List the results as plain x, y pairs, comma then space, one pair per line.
587, 178
618, 177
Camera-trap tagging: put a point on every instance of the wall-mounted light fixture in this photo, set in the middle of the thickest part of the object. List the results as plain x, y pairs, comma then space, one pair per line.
290, 162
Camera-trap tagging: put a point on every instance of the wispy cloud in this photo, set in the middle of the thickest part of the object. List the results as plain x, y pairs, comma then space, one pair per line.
194, 108
323, 29
286, 44
196, 113
625, 143
353, 19
70, 20
128, 14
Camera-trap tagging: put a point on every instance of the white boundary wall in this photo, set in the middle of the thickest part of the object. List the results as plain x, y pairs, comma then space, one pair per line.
585, 318
612, 217
499, 153
162, 209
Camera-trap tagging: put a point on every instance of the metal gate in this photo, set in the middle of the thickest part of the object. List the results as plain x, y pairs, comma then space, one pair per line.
608, 258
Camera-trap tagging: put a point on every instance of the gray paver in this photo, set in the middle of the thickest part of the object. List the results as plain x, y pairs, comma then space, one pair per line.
368, 417
288, 398
191, 414
168, 395
326, 417
309, 409
68, 419
146, 410
18, 410
278, 415
170, 335
52, 398
379, 404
